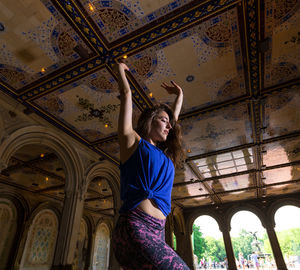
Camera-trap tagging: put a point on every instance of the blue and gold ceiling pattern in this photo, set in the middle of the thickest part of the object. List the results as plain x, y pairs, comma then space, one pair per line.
237, 61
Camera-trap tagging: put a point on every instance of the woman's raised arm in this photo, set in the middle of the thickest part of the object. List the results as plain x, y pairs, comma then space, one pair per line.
128, 138
175, 89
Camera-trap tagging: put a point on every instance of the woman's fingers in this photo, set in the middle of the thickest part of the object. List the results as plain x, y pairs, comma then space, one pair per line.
124, 66
175, 84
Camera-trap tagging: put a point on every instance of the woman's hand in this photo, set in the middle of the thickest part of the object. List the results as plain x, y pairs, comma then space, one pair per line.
122, 66
172, 89
177, 90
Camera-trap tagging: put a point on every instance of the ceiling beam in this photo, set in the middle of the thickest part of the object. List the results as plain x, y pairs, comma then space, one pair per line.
237, 190
53, 188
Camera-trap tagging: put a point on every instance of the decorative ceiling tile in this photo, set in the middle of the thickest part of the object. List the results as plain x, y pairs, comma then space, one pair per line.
206, 61
36, 41
232, 183
279, 107
188, 190
89, 106
184, 174
282, 60
284, 151
116, 19
225, 128
279, 175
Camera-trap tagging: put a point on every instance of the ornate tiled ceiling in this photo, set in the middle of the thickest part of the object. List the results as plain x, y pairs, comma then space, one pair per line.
237, 61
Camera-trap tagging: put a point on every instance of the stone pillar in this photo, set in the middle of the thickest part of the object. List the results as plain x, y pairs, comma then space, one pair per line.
275, 247
68, 231
23, 234
113, 263
228, 248
184, 247
169, 231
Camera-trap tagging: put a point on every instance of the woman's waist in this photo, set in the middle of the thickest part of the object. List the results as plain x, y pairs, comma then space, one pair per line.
149, 207
138, 214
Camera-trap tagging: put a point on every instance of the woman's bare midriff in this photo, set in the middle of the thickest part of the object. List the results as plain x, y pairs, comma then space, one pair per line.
151, 209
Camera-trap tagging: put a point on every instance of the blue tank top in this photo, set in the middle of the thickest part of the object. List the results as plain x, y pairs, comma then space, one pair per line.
147, 174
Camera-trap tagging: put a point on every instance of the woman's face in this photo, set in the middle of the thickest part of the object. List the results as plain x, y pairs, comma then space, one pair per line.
160, 127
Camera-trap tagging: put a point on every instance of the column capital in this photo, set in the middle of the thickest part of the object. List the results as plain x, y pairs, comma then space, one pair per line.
224, 226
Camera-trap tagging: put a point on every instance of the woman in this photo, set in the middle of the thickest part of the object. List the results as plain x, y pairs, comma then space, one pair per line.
147, 172
241, 261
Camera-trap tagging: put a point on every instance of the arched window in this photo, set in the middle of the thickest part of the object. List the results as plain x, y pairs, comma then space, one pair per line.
8, 224
102, 246
40, 243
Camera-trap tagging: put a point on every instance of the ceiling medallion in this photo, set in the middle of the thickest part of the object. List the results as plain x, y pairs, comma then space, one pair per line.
190, 78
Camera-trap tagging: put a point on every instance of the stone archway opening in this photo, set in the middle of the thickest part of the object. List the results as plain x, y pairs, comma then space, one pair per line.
208, 244
250, 242
287, 228
36, 170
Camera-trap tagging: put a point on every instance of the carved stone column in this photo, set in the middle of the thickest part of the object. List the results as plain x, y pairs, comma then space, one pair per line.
184, 247
169, 231
113, 263
23, 233
228, 247
275, 247
68, 231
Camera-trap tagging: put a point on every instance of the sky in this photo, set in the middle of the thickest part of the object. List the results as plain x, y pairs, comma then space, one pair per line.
286, 217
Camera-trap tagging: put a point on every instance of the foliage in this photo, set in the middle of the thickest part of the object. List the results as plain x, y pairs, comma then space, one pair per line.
174, 242
289, 241
199, 242
207, 247
242, 243
214, 249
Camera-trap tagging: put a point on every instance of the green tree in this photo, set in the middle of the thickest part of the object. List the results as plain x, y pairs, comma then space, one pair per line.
214, 249
289, 241
242, 243
199, 242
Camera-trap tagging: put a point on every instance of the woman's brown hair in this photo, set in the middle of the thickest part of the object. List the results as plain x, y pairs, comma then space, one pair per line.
172, 147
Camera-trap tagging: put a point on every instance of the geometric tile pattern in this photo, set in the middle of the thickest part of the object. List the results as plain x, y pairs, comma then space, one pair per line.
237, 61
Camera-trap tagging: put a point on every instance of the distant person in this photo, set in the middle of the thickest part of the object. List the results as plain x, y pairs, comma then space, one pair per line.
268, 263
241, 261
254, 259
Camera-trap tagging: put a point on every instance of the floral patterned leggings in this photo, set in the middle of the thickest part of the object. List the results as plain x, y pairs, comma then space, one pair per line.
139, 243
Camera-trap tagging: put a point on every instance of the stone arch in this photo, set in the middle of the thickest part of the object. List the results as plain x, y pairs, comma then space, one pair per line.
19, 201
197, 214
111, 173
278, 204
102, 246
43, 233
46, 136
251, 208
